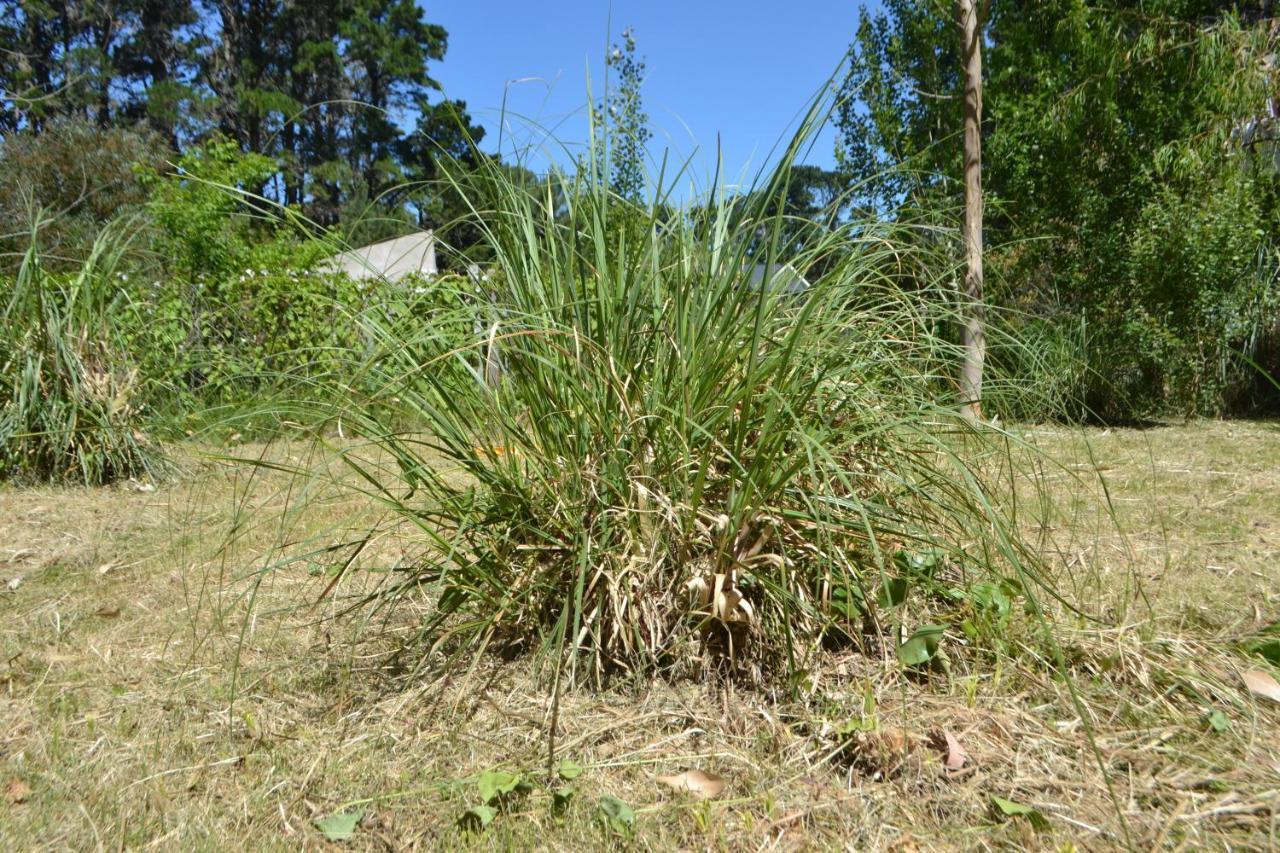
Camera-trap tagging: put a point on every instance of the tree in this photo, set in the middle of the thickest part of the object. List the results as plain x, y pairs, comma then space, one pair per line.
975, 332
106, 60
1106, 130
388, 45
325, 89
896, 112
804, 208
82, 175
321, 87
157, 60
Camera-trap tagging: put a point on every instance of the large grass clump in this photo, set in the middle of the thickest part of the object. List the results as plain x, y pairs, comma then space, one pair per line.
69, 409
645, 462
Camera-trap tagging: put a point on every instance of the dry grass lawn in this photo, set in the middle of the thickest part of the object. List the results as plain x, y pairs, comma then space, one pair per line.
168, 681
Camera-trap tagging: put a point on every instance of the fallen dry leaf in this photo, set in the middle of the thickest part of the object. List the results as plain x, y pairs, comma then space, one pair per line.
955, 752
702, 785
1262, 684
16, 791
894, 739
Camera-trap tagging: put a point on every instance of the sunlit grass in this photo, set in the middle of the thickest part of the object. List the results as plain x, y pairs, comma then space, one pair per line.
69, 393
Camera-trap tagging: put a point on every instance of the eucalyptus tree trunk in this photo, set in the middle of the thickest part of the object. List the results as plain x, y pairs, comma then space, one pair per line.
975, 312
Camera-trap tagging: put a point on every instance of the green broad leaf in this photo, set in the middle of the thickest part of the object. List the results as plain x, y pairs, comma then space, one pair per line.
1219, 721
560, 798
922, 563
569, 770
922, 645
846, 602
856, 725
496, 783
989, 596
341, 825
621, 817
1268, 648
1008, 808
478, 817
893, 592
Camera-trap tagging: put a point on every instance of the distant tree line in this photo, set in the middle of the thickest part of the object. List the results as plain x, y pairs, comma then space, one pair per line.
338, 93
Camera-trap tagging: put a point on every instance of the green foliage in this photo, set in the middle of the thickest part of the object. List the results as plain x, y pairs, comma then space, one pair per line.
69, 409
340, 826
111, 62
1265, 644
922, 646
620, 124
204, 223
495, 784
1010, 809
1205, 282
898, 113
568, 770
83, 175
241, 305
319, 88
616, 814
478, 817
1218, 721
1132, 231
502, 791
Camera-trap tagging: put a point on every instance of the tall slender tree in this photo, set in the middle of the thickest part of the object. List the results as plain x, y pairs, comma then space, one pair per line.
969, 18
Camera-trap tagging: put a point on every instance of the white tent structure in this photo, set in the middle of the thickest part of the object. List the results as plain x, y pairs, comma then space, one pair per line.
391, 260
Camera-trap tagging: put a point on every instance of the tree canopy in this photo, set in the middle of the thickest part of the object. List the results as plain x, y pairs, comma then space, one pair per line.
1120, 201
338, 93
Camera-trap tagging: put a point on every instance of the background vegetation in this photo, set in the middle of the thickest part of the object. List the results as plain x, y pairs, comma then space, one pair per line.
1131, 184
1130, 172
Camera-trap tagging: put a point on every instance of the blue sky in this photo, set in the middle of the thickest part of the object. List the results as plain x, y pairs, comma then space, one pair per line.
742, 70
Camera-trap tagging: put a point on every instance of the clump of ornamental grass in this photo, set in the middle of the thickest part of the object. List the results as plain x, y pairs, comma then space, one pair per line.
650, 459
69, 410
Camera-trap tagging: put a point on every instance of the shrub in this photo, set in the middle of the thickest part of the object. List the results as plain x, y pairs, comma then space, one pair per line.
222, 339
68, 392
85, 175
240, 307
1203, 290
